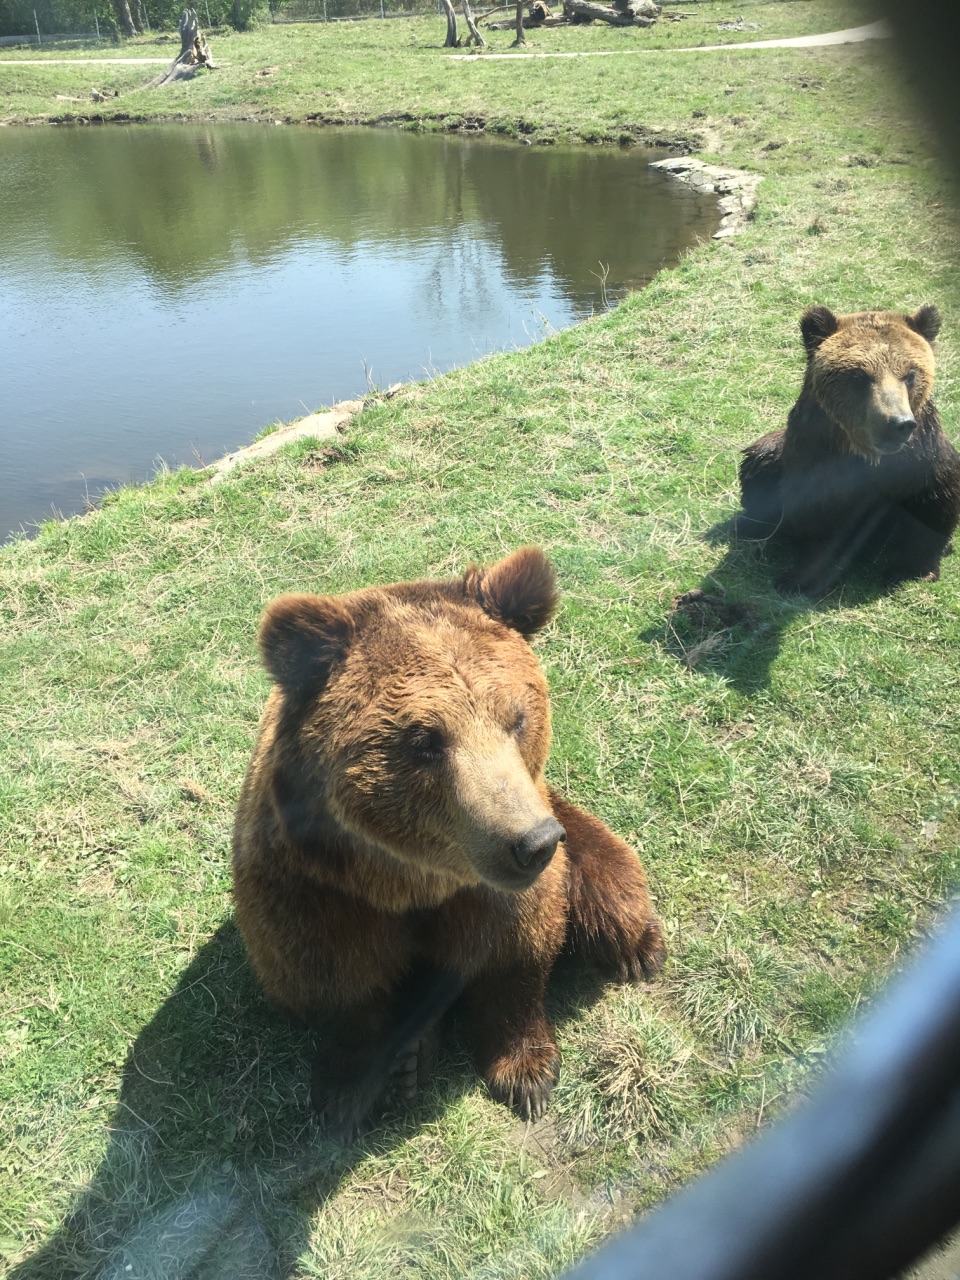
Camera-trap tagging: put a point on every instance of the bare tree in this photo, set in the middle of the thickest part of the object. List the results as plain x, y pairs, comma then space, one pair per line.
452, 39
475, 35
520, 40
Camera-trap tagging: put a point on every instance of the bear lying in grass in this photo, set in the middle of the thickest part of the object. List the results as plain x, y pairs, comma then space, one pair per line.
863, 468
396, 845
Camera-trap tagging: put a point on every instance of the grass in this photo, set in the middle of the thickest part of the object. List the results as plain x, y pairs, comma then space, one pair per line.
794, 794
397, 72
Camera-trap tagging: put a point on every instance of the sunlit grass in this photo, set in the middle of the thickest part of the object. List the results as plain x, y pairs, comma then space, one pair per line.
794, 796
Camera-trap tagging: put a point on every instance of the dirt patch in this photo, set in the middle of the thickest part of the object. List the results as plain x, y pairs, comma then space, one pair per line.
329, 423
702, 624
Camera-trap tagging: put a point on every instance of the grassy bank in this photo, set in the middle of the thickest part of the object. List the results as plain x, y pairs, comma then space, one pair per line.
794, 793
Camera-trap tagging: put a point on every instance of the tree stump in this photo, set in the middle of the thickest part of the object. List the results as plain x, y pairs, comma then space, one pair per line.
194, 52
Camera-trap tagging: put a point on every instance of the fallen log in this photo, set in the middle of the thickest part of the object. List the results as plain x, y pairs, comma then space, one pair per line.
632, 13
529, 23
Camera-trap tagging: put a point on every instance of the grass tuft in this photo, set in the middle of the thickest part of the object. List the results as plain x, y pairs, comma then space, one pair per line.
736, 996
627, 1077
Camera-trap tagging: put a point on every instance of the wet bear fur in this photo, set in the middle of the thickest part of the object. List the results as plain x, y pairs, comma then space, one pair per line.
863, 468
396, 847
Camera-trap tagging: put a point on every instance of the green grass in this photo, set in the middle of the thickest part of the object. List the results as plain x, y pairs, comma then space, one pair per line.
794, 794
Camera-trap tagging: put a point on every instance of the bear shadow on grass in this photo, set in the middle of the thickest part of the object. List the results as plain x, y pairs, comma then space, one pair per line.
215, 1165
732, 624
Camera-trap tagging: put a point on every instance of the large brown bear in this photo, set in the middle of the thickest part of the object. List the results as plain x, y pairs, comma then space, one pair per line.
863, 468
396, 844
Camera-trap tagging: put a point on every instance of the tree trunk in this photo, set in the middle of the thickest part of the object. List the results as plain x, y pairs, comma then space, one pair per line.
584, 10
520, 37
124, 21
475, 35
452, 39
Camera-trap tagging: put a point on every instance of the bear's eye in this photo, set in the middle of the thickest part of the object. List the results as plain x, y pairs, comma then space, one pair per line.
426, 743
910, 378
519, 723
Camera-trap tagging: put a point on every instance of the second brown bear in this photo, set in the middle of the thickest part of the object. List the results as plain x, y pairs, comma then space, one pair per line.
863, 468
396, 846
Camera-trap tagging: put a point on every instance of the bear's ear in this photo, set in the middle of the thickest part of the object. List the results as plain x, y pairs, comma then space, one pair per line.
816, 324
926, 322
519, 591
301, 637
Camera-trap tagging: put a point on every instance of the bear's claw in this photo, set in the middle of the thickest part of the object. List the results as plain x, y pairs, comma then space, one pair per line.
412, 1067
526, 1091
648, 958
341, 1110
339, 1115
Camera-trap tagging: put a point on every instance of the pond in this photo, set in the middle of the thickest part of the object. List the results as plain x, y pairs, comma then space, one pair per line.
166, 292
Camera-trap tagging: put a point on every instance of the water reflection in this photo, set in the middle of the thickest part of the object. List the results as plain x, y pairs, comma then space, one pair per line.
171, 290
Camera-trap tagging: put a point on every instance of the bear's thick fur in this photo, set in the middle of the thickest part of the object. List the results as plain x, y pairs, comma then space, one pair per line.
396, 844
863, 467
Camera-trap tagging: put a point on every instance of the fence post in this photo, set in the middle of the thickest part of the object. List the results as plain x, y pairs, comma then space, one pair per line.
382, 14
96, 21
37, 25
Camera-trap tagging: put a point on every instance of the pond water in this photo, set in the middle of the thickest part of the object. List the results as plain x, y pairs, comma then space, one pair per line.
166, 292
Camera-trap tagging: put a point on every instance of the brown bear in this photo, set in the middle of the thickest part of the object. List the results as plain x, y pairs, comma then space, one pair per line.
396, 845
863, 468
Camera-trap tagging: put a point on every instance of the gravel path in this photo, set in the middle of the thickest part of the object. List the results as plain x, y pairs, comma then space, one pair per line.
852, 35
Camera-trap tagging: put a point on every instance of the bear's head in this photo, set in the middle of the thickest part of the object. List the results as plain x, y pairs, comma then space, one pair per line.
871, 373
416, 717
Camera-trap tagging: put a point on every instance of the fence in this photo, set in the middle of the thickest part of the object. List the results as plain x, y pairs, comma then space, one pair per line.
47, 21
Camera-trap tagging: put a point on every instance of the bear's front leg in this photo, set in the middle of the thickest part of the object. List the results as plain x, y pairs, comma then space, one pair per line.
816, 569
382, 1047
915, 545
612, 920
515, 1044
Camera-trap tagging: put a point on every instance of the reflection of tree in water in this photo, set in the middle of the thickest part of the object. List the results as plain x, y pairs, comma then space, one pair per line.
461, 284
184, 203
583, 208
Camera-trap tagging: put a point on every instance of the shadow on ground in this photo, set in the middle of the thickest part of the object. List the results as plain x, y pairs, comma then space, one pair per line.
215, 1166
733, 622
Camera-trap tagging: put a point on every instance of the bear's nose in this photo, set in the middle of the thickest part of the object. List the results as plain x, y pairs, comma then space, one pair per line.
537, 846
903, 425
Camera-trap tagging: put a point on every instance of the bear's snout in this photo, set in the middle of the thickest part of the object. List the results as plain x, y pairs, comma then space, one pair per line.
536, 847
903, 426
